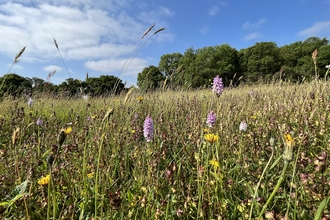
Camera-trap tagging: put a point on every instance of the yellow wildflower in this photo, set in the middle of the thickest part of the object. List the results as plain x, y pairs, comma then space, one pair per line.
288, 140
68, 130
90, 175
140, 98
288, 148
133, 131
214, 163
44, 180
211, 137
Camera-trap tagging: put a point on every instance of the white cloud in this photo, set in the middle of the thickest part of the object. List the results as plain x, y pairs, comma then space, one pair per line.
83, 29
258, 24
99, 51
316, 29
213, 11
205, 29
51, 68
252, 36
155, 16
115, 66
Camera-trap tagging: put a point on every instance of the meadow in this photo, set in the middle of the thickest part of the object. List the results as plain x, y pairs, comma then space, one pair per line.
265, 156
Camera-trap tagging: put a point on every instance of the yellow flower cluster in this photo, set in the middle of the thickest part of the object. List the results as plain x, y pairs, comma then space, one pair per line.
211, 138
90, 175
289, 140
44, 180
214, 163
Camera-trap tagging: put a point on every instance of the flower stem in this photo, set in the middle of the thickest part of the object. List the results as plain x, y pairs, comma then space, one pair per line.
262, 175
275, 189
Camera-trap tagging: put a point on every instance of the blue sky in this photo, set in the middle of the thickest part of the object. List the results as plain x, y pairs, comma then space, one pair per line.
98, 36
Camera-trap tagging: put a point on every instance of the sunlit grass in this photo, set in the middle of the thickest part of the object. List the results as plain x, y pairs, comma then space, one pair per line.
106, 169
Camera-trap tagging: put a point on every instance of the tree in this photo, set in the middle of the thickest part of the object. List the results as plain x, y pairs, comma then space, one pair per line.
71, 87
261, 60
169, 63
104, 85
227, 65
290, 54
150, 78
187, 64
323, 59
205, 67
15, 85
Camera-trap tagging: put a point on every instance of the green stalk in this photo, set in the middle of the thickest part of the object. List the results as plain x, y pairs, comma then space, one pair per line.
84, 178
54, 198
48, 195
262, 175
96, 175
292, 179
286, 163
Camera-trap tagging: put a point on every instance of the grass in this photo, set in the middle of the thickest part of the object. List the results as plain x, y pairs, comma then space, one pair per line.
105, 169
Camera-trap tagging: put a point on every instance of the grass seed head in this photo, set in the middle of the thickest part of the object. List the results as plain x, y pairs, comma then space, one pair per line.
147, 31
56, 45
19, 54
128, 95
159, 30
15, 136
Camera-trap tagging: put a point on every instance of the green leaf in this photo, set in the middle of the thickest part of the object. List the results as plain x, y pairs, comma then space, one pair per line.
275, 162
321, 207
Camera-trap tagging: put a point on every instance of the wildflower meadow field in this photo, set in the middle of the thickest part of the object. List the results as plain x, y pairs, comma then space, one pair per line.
251, 152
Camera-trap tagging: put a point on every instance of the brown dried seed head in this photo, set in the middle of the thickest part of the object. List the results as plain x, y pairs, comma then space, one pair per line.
147, 31
15, 136
56, 45
159, 30
128, 95
314, 55
108, 114
20, 53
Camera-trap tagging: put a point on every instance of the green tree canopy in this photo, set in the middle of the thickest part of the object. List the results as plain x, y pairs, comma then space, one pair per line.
169, 63
261, 60
150, 78
103, 85
15, 85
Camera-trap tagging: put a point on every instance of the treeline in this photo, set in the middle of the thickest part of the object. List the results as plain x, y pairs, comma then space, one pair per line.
264, 62
15, 86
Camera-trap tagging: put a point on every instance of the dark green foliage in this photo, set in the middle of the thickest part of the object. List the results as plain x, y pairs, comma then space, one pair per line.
260, 60
104, 85
150, 78
15, 85
41, 86
70, 87
169, 63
